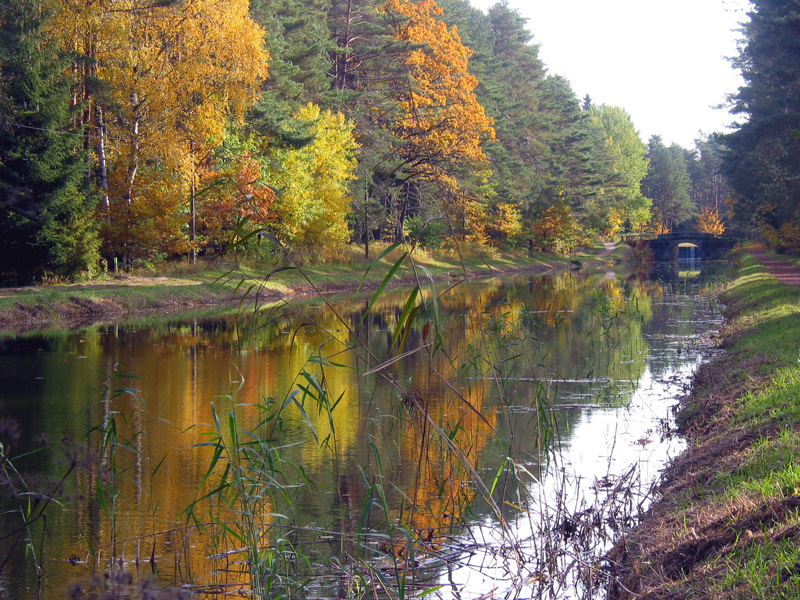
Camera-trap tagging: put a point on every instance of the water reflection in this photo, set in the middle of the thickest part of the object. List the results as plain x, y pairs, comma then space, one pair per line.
489, 376
685, 269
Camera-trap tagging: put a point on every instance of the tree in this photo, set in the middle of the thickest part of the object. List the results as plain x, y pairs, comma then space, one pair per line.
236, 203
363, 49
708, 221
175, 74
710, 187
512, 89
763, 160
314, 182
366, 68
299, 43
629, 207
667, 183
435, 123
579, 166
551, 162
440, 120
46, 211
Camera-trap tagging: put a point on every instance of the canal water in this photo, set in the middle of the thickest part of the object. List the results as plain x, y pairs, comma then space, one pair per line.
485, 440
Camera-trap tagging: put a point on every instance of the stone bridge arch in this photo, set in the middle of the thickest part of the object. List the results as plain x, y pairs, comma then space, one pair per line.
709, 246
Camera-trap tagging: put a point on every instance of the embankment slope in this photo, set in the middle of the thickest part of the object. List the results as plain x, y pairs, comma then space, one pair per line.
727, 524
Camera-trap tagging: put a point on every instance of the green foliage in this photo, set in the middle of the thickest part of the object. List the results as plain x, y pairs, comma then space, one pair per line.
298, 42
245, 477
627, 207
667, 183
46, 211
763, 160
512, 73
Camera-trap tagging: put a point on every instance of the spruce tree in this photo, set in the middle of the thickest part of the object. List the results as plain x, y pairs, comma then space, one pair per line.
46, 211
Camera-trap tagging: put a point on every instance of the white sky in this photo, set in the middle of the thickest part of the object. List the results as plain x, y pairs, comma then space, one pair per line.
663, 61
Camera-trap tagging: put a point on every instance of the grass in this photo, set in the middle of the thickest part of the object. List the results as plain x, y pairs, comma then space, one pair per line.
728, 525
181, 286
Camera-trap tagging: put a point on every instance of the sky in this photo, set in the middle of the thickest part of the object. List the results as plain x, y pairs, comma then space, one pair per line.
664, 62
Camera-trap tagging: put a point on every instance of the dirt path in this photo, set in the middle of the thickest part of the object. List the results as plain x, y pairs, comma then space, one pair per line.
120, 282
781, 270
609, 248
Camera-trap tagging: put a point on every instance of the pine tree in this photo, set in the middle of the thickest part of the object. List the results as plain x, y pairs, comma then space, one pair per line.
710, 187
763, 162
46, 211
510, 75
667, 184
512, 92
578, 167
299, 43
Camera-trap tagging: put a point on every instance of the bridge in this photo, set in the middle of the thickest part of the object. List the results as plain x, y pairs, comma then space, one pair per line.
708, 246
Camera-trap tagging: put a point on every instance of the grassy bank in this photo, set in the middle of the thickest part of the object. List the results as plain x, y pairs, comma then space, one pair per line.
185, 287
728, 522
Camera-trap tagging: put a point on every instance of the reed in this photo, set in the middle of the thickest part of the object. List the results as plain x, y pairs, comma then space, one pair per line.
248, 477
455, 387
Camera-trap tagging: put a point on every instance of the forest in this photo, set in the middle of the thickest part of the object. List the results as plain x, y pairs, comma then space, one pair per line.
133, 132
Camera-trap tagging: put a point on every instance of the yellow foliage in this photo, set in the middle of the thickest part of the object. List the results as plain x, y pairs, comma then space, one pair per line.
174, 77
615, 219
656, 225
507, 221
709, 221
149, 227
314, 183
784, 239
557, 230
500, 224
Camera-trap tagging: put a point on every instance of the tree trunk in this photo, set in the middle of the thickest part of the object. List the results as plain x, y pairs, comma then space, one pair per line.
192, 220
366, 225
101, 157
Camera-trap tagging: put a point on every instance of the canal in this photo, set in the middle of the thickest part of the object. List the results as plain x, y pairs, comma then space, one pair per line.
488, 439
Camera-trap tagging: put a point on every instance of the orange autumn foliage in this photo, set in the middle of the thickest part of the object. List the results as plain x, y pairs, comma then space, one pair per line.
228, 197
440, 118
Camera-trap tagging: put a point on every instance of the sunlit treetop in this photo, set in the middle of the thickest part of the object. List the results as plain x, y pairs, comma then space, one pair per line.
440, 116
